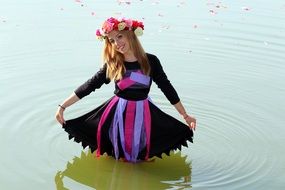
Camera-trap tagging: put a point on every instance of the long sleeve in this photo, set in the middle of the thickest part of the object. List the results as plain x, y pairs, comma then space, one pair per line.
160, 78
93, 83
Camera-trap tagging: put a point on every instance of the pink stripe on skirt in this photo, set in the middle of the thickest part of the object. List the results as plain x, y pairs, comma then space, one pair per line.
102, 120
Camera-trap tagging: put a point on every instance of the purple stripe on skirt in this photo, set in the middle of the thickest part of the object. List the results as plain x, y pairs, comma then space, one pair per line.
118, 123
122, 132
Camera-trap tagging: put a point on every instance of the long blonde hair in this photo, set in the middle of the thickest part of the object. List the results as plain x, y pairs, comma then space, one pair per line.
115, 60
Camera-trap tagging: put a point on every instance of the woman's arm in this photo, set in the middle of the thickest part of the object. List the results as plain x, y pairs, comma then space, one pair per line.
95, 82
191, 121
160, 78
66, 103
83, 90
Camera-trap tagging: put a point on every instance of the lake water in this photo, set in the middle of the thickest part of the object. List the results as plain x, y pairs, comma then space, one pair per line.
225, 59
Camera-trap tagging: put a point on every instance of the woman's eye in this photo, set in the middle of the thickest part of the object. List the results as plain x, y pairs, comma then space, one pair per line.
120, 36
111, 41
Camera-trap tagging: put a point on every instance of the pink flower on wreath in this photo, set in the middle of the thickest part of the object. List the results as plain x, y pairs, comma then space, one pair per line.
129, 23
107, 26
98, 33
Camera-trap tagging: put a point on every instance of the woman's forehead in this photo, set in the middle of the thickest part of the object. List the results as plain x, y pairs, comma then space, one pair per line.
113, 34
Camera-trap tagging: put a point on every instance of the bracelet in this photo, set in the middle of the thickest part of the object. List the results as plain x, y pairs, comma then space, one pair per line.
61, 106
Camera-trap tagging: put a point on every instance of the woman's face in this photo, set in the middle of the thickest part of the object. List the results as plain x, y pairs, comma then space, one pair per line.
119, 41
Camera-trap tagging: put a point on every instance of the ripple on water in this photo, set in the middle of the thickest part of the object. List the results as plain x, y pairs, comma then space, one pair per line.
227, 153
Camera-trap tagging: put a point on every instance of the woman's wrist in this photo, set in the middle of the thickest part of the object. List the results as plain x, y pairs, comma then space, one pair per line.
62, 107
184, 115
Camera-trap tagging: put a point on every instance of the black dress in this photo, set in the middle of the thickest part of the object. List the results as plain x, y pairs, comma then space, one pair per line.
129, 125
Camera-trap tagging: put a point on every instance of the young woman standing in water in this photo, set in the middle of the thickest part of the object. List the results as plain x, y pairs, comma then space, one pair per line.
128, 125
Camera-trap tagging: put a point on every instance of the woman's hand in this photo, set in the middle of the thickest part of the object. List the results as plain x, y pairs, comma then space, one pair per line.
191, 121
61, 107
59, 115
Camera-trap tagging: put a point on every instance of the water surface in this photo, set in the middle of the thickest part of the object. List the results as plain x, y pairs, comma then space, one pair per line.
225, 58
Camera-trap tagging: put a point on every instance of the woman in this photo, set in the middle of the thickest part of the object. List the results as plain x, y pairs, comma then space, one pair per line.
128, 125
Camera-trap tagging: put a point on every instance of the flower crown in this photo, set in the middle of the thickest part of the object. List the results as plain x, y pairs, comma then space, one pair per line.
119, 24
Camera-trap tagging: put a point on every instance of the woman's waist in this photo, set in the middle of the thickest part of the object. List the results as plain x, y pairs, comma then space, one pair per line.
132, 95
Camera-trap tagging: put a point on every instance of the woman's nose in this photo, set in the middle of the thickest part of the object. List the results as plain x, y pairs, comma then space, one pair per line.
116, 42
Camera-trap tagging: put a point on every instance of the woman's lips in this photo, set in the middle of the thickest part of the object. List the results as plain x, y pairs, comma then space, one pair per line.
121, 47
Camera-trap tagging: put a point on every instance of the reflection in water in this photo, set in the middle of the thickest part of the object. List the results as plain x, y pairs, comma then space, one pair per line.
106, 173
